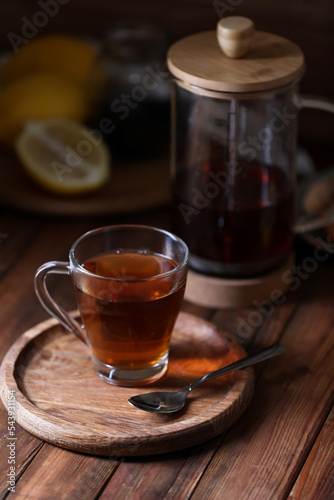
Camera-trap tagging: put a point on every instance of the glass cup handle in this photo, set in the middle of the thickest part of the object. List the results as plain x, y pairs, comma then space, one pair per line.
47, 301
305, 224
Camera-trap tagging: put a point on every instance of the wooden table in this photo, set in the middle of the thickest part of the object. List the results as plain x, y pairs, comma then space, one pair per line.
282, 446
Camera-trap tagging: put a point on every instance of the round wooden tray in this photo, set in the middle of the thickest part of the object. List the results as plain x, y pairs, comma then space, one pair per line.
60, 399
132, 187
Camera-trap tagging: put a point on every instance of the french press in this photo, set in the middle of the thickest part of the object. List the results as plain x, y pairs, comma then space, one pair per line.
234, 129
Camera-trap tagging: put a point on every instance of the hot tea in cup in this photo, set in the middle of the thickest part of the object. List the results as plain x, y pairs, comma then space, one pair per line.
129, 283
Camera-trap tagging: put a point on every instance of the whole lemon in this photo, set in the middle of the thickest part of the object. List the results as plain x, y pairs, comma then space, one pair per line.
38, 96
62, 54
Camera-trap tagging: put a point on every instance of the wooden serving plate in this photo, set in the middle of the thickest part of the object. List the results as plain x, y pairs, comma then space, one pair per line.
60, 399
137, 186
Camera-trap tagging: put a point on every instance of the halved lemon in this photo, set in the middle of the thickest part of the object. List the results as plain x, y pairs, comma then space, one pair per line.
64, 156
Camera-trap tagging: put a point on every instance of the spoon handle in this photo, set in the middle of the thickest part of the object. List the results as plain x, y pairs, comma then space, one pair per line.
267, 353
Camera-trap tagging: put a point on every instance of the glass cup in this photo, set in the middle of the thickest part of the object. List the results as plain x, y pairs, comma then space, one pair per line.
129, 282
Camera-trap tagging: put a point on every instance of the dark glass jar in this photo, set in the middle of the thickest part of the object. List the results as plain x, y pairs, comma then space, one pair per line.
134, 115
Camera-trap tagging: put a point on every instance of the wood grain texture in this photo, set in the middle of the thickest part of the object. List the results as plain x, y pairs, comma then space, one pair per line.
48, 472
175, 479
234, 35
53, 472
131, 187
16, 288
178, 477
316, 479
60, 399
61, 474
27, 447
268, 446
271, 62
29, 242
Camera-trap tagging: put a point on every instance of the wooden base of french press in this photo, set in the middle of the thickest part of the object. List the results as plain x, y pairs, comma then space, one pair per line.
223, 293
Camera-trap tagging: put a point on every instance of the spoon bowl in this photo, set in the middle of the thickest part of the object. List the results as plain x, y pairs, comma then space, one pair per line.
170, 402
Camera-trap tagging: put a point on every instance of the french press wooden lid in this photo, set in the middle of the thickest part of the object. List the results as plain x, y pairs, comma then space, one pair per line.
235, 58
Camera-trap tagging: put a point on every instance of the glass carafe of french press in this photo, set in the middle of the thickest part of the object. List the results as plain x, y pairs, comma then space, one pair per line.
235, 107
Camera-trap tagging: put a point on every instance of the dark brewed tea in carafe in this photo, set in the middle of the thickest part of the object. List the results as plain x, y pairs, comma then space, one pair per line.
233, 151
243, 231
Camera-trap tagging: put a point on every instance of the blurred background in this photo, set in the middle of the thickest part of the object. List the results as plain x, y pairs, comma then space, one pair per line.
307, 23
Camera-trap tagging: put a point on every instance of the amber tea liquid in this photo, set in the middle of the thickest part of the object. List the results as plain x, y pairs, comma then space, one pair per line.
245, 223
129, 323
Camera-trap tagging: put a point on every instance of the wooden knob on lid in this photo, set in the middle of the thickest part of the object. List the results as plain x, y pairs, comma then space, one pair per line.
234, 35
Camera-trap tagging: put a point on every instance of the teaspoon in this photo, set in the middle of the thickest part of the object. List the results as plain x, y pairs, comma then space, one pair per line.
169, 402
